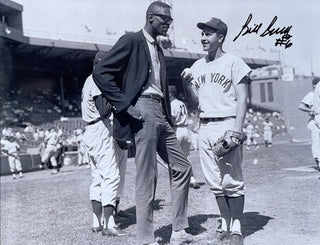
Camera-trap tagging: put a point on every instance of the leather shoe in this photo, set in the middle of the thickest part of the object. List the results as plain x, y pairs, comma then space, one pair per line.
236, 239
113, 231
194, 185
220, 236
180, 237
96, 229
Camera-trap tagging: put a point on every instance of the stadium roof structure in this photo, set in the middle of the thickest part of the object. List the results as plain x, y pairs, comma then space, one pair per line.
62, 56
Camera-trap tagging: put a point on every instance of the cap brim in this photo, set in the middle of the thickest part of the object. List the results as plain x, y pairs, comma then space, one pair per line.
204, 25
201, 25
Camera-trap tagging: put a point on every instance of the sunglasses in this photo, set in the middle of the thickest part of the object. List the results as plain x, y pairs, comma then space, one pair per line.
167, 19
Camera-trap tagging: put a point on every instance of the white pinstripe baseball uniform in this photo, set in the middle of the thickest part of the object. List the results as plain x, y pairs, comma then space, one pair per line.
215, 83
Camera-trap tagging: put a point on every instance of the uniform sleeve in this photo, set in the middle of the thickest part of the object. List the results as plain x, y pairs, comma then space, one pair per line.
308, 99
239, 70
95, 91
316, 101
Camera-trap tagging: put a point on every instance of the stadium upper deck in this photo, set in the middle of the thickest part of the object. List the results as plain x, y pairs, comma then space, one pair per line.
61, 56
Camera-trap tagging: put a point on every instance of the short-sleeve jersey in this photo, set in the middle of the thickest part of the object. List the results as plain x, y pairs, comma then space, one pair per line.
88, 107
267, 126
11, 147
52, 138
250, 129
215, 82
316, 99
179, 112
308, 100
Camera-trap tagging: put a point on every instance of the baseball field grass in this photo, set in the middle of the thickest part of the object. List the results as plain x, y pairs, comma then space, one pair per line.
282, 205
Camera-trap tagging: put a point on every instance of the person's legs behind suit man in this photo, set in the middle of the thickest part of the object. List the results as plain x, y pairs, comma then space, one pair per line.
105, 173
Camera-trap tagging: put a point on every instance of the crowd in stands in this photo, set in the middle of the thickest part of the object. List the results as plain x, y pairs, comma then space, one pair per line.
19, 107
29, 116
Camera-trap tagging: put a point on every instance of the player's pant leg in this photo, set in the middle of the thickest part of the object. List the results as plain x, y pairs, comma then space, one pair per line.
95, 187
109, 171
86, 157
121, 158
209, 164
53, 157
18, 164
79, 157
265, 136
315, 139
223, 176
231, 172
99, 143
270, 137
11, 164
184, 140
46, 155
170, 150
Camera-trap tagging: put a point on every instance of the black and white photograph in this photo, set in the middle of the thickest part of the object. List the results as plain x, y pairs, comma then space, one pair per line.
160, 122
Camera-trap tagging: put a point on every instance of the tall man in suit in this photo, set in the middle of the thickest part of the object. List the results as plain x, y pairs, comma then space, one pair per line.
132, 77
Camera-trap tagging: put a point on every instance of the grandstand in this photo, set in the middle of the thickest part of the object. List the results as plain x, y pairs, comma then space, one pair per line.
42, 78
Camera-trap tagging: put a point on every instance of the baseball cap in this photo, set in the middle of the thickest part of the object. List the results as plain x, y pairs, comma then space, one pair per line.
315, 80
214, 23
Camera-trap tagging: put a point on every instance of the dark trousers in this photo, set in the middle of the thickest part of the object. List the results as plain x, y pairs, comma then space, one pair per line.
156, 135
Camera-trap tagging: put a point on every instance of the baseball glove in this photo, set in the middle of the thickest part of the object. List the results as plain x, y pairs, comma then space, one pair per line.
228, 142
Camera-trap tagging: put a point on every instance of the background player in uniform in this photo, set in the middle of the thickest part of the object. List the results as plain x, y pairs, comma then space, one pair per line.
51, 151
217, 84
100, 144
179, 115
83, 156
307, 105
267, 132
11, 148
250, 132
316, 103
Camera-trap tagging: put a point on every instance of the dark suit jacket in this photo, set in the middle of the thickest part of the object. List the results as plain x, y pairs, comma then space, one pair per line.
122, 75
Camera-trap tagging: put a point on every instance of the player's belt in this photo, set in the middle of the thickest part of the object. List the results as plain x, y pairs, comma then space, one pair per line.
95, 121
152, 97
180, 126
214, 119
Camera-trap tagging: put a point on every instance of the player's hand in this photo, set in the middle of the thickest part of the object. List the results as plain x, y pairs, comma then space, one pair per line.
122, 144
134, 113
186, 76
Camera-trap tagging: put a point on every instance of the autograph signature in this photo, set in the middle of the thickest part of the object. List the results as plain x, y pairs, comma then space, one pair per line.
269, 31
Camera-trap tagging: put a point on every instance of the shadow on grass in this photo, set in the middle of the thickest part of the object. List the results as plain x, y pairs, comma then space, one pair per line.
128, 216
195, 227
253, 222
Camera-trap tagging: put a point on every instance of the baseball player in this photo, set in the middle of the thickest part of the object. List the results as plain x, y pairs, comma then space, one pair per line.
267, 132
250, 132
11, 148
51, 150
83, 157
217, 84
307, 105
316, 102
179, 115
100, 144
